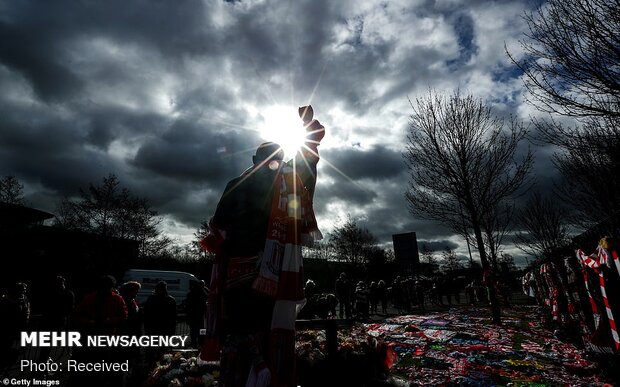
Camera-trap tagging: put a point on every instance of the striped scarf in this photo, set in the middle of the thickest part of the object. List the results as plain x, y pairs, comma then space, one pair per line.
292, 224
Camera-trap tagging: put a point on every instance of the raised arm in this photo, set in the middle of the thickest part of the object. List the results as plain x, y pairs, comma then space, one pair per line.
307, 157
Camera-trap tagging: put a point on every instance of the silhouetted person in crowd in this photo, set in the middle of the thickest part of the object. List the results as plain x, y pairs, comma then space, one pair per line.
20, 295
470, 291
160, 312
195, 309
58, 306
57, 309
133, 325
382, 292
102, 312
262, 220
310, 309
361, 300
419, 294
343, 293
15, 313
373, 297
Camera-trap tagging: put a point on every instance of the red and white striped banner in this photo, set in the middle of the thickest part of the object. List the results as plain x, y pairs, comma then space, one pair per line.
595, 262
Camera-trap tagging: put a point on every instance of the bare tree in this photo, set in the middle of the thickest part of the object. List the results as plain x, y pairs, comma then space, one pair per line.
352, 243
544, 227
495, 225
201, 233
450, 261
428, 261
506, 263
462, 167
427, 256
572, 56
320, 250
11, 190
111, 211
590, 166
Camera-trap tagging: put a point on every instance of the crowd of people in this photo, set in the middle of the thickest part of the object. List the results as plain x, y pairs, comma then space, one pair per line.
358, 299
108, 310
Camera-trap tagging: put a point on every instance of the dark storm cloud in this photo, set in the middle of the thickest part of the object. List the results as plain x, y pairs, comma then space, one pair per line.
376, 163
353, 195
464, 29
36, 36
390, 214
186, 152
168, 95
436, 246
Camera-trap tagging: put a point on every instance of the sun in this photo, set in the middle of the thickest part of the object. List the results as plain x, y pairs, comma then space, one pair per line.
282, 125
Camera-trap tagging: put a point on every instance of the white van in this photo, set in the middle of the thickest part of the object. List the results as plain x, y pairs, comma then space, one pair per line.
178, 283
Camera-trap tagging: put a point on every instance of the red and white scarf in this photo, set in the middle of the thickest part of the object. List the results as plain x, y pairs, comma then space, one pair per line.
594, 262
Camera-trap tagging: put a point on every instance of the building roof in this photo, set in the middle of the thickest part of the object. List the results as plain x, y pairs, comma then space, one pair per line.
17, 215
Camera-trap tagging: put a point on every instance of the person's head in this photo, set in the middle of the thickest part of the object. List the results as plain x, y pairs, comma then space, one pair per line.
19, 289
267, 152
161, 288
106, 284
343, 275
196, 285
130, 289
60, 282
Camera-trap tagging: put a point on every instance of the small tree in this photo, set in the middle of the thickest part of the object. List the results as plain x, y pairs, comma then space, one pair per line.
11, 190
111, 211
200, 234
507, 263
320, 250
450, 262
543, 226
427, 256
352, 244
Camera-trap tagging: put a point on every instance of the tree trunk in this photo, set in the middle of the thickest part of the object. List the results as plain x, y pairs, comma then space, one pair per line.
486, 267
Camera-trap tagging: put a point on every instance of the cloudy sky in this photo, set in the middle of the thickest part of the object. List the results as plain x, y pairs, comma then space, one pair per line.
174, 96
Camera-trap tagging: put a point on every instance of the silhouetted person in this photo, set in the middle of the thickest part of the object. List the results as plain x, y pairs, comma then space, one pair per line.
195, 309
373, 297
382, 294
343, 293
102, 312
160, 312
20, 296
361, 300
59, 305
419, 293
133, 325
57, 309
309, 311
15, 312
262, 220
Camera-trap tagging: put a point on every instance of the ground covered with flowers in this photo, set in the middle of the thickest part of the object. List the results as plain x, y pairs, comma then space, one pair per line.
457, 347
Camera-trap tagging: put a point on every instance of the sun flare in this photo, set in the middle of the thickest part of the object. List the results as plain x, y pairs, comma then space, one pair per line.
282, 125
